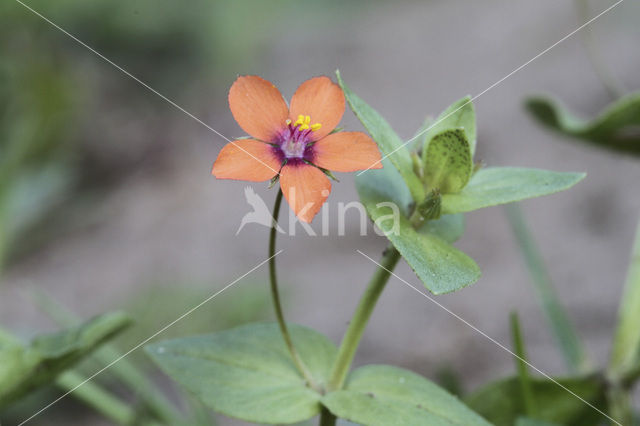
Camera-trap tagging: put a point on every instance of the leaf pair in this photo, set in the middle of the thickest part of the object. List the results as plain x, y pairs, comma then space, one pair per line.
247, 373
616, 128
25, 368
448, 150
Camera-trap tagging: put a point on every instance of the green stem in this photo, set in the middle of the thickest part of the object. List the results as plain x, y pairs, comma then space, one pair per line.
619, 404
124, 370
522, 367
97, 398
360, 318
275, 294
555, 314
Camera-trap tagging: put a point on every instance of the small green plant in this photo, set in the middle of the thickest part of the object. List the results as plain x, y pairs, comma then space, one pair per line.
286, 373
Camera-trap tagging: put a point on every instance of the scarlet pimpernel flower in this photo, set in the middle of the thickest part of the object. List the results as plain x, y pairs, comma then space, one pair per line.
296, 144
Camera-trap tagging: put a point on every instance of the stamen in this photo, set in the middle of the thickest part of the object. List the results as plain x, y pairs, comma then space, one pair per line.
305, 126
315, 127
288, 121
307, 119
299, 121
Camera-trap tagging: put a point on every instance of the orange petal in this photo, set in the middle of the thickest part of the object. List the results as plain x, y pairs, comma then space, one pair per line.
246, 159
258, 107
305, 188
322, 100
346, 152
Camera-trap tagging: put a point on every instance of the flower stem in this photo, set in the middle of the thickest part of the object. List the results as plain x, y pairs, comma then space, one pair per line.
360, 318
276, 298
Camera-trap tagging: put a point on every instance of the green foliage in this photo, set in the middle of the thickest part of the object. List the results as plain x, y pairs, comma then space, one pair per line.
25, 368
440, 266
448, 162
459, 115
502, 402
626, 346
502, 185
390, 144
448, 168
384, 395
247, 372
616, 128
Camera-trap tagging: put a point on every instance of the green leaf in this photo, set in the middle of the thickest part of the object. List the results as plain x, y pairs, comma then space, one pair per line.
440, 266
448, 163
459, 114
24, 368
386, 396
501, 402
390, 144
449, 227
500, 185
626, 345
247, 372
616, 128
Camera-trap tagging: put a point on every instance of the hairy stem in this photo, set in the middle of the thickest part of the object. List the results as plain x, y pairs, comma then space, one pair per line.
275, 295
354, 332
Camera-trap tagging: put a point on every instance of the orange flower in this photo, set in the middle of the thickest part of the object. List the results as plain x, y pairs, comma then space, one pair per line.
295, 143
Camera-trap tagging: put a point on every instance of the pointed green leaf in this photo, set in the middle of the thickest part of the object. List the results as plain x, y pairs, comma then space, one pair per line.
384, 395
626, 345
502, 185
390, 144
24, 368
247, 372
448, 164
617, 127
459, 114
502, 404
440, 266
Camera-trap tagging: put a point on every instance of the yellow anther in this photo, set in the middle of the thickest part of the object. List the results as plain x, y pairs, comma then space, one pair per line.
304, 127
307, 119
315, 127
299, 121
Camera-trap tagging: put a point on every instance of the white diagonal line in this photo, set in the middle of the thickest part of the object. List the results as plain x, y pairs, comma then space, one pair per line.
142, 83
476, 329
495, 84
145, 341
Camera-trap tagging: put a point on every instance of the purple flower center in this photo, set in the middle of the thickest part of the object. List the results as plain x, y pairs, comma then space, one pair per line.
295, 138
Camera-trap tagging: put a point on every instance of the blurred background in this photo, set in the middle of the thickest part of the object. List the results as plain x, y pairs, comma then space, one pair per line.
106, 198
